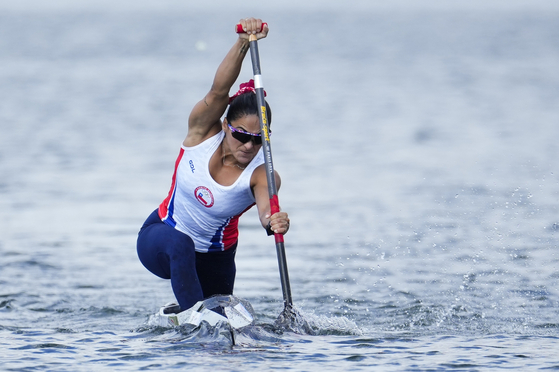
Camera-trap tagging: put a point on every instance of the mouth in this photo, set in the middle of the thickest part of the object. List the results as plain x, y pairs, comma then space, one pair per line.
246, 154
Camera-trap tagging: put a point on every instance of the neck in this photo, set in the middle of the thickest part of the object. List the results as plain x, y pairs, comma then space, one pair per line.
228, 159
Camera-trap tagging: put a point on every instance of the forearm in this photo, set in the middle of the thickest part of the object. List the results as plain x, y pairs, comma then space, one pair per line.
230, 68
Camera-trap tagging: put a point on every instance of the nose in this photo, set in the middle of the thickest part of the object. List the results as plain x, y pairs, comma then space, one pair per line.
250, 144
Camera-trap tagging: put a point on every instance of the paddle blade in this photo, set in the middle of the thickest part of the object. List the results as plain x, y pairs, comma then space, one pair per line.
292, 321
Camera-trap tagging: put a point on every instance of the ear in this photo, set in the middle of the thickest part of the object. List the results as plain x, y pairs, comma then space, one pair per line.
224, 124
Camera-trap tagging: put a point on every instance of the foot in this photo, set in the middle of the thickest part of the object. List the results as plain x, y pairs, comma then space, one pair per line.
172, 308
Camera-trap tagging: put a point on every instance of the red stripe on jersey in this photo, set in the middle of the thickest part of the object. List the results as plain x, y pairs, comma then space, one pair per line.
231, 231
164, 206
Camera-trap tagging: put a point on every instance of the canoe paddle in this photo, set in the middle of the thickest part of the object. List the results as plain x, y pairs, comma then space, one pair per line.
272, 189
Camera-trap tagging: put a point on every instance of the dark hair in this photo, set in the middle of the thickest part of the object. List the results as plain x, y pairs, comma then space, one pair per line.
244, 105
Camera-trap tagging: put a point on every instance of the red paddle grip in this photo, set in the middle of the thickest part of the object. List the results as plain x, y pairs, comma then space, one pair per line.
275, 208
274, 205
241, 31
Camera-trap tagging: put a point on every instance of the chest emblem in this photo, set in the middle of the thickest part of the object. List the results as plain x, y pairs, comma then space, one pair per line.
204, 196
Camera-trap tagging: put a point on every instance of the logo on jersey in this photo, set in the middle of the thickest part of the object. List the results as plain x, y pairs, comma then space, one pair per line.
192, 166
204, 196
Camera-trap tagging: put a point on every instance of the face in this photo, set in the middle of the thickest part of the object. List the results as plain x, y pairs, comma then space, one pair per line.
243, 152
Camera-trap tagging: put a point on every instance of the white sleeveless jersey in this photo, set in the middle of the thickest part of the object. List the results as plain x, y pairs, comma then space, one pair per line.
200, 207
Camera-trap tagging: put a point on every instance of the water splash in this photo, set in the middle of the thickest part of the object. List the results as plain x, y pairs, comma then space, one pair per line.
296, 321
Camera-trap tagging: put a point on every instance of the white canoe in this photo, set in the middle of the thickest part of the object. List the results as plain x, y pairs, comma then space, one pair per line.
227, 309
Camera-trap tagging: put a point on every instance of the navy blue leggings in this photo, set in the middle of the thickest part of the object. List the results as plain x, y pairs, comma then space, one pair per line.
169, 254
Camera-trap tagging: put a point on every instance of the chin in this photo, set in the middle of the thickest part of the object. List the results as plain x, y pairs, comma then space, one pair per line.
245, 158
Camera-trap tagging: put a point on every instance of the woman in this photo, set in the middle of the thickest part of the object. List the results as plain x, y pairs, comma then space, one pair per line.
219, 174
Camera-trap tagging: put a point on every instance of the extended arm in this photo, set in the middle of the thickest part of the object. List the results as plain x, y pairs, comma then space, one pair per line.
205, 118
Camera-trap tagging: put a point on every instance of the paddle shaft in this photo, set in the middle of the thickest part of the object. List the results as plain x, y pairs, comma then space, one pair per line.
267, 149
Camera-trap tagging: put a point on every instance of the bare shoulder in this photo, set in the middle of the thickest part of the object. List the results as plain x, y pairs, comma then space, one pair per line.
205, 118
197, 135
259, 177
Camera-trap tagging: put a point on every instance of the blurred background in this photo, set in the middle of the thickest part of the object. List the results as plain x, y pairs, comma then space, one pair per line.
417, 144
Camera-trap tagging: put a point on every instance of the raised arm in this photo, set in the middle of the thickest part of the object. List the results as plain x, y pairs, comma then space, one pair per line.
205, 118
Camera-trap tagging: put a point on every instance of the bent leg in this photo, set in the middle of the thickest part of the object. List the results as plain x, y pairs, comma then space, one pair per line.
216, 272
169, 254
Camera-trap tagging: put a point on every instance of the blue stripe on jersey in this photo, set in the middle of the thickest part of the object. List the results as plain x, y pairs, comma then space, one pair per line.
170, 210
216, 240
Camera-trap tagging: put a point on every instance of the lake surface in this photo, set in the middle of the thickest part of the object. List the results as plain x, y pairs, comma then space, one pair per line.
418, 153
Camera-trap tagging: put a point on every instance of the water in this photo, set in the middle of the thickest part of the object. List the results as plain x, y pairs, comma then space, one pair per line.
418, 154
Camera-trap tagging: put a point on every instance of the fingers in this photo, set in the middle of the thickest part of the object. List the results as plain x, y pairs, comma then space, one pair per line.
253, 26
279, 222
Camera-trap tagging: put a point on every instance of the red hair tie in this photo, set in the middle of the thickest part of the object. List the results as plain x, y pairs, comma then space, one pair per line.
245, 88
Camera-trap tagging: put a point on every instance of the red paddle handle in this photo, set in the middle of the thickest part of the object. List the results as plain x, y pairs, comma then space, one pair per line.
241, 31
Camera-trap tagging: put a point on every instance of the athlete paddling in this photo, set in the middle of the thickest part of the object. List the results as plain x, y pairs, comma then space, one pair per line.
219, 174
